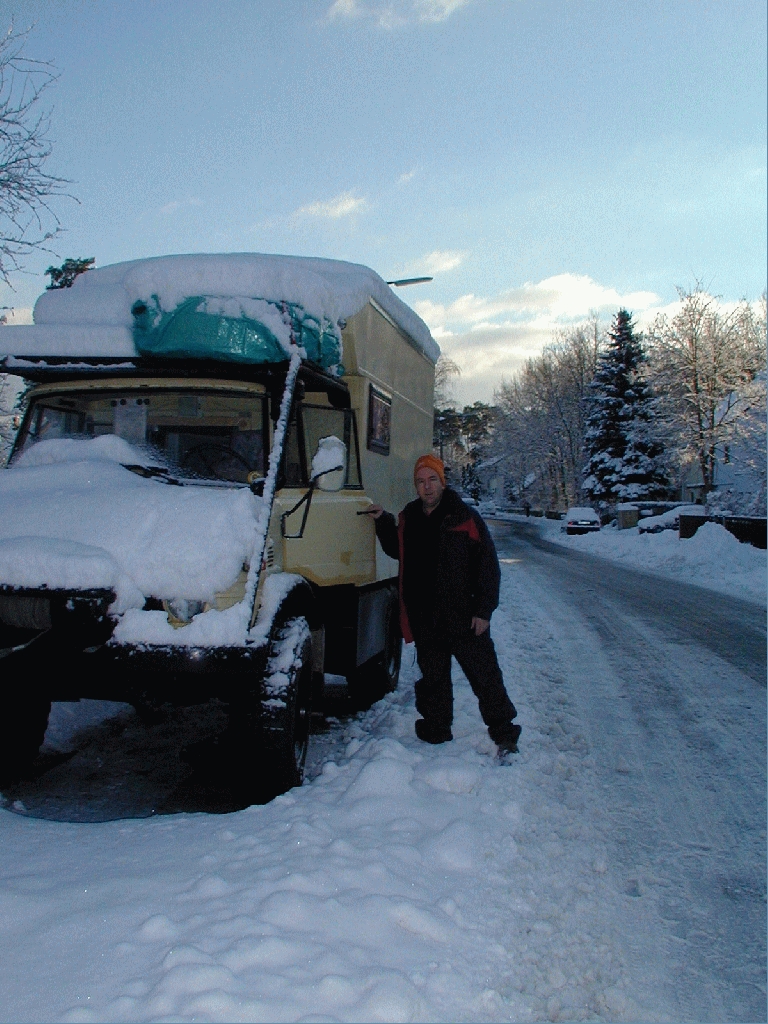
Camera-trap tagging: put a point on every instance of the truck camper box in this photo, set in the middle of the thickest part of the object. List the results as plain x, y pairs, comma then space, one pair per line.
180, 519
390, 377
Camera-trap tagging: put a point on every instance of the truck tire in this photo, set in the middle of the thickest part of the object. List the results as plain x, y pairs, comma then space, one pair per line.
23, 723
269, 726
286, 705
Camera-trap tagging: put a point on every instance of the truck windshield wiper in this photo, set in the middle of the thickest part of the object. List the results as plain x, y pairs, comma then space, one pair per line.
152, 472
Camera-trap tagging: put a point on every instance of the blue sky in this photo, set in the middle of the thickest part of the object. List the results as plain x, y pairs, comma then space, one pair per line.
541, 158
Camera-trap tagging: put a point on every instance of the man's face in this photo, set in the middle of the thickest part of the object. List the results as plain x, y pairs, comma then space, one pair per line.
429, 488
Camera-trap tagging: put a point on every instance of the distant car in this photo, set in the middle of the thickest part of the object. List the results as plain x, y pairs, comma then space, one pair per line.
669, 520
581, 520
486, 508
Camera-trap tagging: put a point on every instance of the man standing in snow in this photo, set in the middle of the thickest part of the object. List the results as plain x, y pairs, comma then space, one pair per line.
449, 588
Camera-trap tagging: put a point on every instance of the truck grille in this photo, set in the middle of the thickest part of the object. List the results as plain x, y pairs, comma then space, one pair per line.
25, 611
54, 609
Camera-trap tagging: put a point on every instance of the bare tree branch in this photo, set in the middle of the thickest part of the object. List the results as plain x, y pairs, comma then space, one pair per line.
28, 221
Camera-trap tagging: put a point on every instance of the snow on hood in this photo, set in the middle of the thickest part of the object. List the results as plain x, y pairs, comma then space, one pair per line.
75, 501
37, 561
104, 297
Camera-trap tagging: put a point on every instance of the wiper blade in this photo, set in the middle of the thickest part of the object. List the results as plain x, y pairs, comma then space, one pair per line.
152, 473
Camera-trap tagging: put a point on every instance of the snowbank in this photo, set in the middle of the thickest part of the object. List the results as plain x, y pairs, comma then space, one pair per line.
97, 524
405, 883
712, 558
408, 882
669, 520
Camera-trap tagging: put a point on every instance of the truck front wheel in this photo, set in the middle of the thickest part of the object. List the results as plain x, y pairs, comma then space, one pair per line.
269, 726
286, 707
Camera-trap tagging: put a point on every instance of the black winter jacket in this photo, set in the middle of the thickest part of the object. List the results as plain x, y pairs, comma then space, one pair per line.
466, 573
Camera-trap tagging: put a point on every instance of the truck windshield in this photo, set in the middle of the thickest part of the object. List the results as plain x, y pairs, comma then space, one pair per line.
205, 434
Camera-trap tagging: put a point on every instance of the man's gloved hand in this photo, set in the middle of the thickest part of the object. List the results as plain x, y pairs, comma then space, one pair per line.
373, 510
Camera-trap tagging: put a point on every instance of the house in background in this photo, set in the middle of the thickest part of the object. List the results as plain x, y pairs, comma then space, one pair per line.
740, 469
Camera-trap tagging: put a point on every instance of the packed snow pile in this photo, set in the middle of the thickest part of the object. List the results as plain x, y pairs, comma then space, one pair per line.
669, 520
67, 565
72, 516
595, 879
405, 883
712, 558
104, 299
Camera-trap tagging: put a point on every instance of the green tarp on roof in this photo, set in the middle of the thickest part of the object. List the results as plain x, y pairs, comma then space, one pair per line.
195, 330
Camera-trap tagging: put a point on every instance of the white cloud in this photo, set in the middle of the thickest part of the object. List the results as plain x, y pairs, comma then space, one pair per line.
344, 9
560, 299
341, 206
491, 337
406, 177
438, 262
437, 10
389, 14
177, 204
489, 355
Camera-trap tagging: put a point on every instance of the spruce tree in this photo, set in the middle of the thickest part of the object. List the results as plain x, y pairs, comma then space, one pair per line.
624, 460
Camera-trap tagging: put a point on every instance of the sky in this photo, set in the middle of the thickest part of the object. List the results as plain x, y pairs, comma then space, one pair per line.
541, 159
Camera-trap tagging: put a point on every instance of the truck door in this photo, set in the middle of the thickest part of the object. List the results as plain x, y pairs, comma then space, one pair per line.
331, 544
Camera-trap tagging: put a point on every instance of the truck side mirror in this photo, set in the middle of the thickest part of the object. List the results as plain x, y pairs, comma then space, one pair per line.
329, 465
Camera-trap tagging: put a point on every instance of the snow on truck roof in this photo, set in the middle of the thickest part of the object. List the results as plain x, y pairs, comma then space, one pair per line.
247, 307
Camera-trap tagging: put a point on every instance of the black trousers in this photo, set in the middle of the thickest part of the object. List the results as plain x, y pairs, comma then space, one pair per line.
477, 657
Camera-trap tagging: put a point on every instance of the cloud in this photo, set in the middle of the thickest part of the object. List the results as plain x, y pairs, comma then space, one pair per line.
406, 176
560, 299
389, 14
437, 10
342, 206
489, 355
344, 9
177, 204
491, 337
438, 262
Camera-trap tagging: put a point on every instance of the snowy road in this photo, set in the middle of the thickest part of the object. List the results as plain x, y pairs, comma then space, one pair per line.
733, 629
668, 682
615, 871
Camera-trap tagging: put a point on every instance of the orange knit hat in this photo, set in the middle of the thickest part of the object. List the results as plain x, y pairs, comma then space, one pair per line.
430, 462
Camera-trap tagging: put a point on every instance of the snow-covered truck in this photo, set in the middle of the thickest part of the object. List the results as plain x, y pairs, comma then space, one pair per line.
180, 519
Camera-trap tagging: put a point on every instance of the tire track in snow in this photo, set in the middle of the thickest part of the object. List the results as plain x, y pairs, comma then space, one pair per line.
677, 737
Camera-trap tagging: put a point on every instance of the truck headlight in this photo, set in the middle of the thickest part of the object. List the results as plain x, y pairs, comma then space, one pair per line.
181, 611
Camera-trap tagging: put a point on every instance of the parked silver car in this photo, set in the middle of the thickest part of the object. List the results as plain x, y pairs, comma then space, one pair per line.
581, 519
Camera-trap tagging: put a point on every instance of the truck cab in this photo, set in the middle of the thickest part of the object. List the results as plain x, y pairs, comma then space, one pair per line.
182, 516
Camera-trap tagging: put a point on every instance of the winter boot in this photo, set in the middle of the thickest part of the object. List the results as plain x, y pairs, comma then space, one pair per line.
506, 740
431, 734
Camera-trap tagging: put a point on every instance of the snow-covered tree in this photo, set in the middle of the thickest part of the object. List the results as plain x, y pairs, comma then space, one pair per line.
624, 458
706, 365
446, 370
541, 426
461, 439
12, 390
